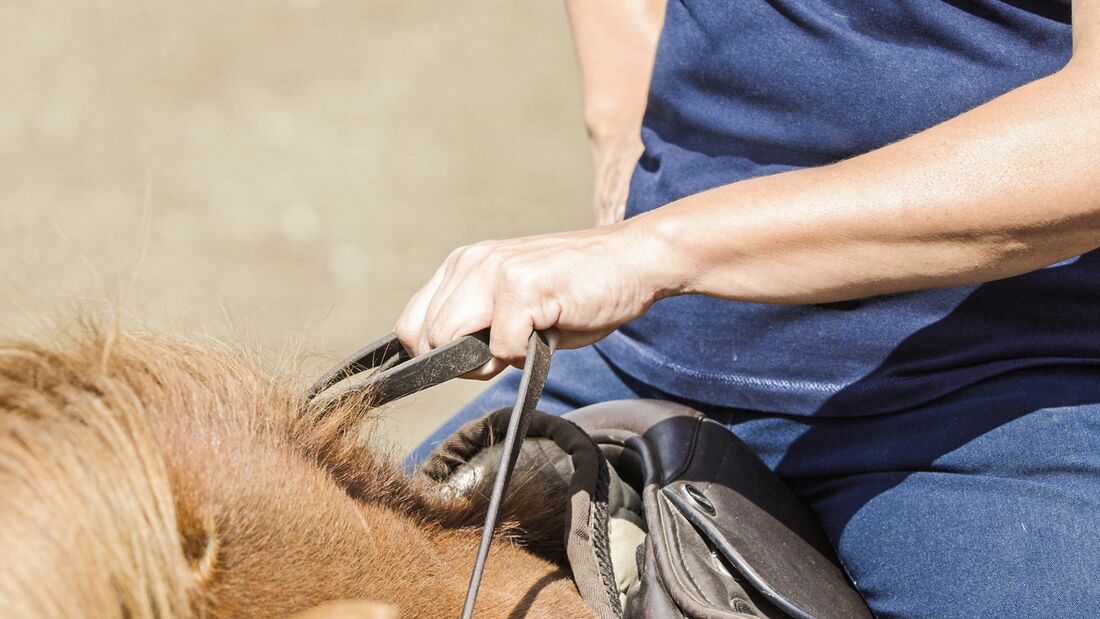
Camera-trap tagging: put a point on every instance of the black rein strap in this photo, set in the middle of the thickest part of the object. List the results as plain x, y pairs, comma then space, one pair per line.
535, 368
398, 375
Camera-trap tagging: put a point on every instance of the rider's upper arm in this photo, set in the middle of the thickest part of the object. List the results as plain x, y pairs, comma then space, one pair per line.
1086, 36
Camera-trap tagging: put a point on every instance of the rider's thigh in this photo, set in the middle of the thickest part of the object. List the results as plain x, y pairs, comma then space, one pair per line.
1004, 525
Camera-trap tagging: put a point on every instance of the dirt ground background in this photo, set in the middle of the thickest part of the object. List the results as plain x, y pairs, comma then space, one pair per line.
282, 172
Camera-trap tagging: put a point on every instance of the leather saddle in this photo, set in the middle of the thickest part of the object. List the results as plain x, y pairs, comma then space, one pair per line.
666, 513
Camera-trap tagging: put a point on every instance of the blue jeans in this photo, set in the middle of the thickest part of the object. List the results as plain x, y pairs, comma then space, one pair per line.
984, 503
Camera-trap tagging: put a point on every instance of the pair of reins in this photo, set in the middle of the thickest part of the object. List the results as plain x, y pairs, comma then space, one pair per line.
398, 374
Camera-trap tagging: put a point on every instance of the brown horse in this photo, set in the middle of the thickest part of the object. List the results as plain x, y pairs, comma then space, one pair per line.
142, 476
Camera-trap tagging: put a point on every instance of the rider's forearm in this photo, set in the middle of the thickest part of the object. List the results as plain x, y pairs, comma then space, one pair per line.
616, 41
1006, 188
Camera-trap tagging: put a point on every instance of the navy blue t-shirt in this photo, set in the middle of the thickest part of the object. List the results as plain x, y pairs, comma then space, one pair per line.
752, 87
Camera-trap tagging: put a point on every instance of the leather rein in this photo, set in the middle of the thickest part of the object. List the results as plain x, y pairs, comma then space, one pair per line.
398, 374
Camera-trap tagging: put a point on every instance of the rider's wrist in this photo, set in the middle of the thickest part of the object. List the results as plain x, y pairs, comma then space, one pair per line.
669, 269
609, 128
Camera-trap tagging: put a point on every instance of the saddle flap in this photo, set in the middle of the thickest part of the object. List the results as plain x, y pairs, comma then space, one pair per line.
720, 521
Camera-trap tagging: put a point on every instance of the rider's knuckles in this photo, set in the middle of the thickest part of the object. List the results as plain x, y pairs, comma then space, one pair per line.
468, 255
516, 278
455, 256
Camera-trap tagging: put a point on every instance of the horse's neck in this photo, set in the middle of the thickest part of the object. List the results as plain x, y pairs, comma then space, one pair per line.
287, 536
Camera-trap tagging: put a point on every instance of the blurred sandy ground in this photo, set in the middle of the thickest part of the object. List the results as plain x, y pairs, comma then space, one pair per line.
283, 172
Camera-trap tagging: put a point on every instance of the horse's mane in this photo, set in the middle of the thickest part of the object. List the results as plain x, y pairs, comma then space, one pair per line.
144, 476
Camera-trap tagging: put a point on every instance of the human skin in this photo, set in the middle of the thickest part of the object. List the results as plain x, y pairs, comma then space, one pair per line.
911, 215
616, 42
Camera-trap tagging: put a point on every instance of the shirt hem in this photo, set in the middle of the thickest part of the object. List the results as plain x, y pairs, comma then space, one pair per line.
885, 395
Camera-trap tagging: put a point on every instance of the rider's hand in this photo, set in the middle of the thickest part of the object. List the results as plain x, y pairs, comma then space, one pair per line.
614, 161
584, 284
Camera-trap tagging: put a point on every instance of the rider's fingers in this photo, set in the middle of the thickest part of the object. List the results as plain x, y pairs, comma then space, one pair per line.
455, 269
410, 325
512, 320
469, 308
487, 371
526, 300
508, 338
